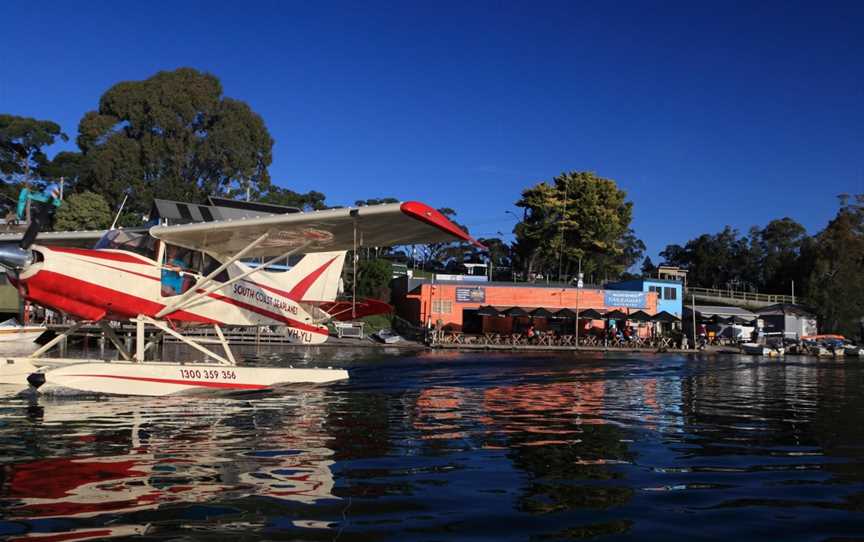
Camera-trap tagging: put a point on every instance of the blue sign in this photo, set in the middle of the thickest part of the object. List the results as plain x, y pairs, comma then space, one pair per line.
470, 295
618, 298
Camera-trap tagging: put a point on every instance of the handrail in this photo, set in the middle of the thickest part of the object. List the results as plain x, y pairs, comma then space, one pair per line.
739, 295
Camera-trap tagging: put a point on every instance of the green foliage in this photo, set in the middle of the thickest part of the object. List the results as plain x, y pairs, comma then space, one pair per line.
22, 155
380, 201
648, 268
836, 282
173, 136
578, 216
373, 279
310, 201
22, 140
83, 211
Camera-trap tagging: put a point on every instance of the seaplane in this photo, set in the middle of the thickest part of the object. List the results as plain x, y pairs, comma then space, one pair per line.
170, 278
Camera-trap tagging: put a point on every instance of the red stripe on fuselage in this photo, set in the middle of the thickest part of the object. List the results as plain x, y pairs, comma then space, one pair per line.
197, 383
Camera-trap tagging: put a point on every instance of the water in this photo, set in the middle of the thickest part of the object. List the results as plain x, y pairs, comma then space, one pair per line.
446, 446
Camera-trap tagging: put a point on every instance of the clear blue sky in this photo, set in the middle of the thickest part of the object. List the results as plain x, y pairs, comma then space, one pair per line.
707, 114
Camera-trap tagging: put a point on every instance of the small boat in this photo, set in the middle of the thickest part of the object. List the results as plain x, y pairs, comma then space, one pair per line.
854, 350
755, 349
12, 331
387, 336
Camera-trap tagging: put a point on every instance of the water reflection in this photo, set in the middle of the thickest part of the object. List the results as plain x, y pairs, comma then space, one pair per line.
456, 446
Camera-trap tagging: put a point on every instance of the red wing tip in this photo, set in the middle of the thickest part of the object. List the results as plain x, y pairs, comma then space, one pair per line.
433, 217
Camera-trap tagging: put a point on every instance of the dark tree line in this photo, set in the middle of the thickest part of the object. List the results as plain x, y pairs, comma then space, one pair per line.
826, 268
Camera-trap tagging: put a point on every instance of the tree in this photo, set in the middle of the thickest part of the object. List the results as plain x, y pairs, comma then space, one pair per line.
378, 201
310, 201
83, 211
22, 154
173, 136
440, 253
373, 279
579, 216
837, 283
648, 268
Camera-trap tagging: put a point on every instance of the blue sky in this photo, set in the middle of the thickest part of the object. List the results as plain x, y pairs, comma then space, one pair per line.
705, 113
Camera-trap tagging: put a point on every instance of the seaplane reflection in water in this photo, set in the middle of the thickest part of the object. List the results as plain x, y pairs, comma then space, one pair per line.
167, 453
144, 279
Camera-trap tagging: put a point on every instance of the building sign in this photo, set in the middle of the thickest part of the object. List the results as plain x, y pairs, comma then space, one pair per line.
470, 295
619, 298
462, 278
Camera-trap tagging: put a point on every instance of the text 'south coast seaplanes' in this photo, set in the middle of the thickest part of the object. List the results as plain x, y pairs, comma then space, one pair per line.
139, 277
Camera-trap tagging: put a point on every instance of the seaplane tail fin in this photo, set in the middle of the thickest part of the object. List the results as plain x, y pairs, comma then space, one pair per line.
315, 278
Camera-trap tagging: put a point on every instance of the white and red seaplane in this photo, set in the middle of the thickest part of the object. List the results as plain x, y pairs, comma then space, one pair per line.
125, 278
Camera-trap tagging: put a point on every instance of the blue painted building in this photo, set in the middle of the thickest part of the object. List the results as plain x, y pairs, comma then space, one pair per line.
670, 293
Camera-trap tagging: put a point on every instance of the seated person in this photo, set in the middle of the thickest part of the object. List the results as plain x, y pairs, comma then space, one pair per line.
172, 271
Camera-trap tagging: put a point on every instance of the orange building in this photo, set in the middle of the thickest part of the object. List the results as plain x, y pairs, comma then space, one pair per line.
455, 303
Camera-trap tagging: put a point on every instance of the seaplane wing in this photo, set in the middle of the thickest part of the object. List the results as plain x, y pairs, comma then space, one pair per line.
319, 231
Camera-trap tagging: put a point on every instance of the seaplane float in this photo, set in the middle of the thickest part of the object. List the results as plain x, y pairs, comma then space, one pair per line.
170, 278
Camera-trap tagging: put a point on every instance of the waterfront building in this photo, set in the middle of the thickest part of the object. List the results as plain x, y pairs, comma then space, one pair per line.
512, 307
670, 293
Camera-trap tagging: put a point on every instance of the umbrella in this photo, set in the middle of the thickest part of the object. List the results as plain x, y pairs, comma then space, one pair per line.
590, 314
640, 316
615, 315
515, 311
540, 312
565, 313
488, 310
665, 317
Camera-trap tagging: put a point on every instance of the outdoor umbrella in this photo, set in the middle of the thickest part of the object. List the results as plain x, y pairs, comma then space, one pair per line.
590, 314
488, 310
640, 316
615, 315
665, 317
516, 311
540, 312
565, 313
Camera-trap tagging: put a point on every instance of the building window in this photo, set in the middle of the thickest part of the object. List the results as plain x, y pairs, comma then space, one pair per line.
670, 293
657, 290
442, 306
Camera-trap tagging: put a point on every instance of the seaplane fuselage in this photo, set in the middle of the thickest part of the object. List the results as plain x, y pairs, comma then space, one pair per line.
114, 284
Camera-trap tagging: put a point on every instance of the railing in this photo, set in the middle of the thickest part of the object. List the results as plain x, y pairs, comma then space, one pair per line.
741, 296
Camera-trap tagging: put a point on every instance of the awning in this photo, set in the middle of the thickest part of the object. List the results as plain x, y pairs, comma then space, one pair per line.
516, 311
540, 312
615, 315
664, 316
487, 310
717, 319
640, 316
590, 314
565, 313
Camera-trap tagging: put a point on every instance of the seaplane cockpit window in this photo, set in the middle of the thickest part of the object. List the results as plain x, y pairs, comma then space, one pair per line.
138, 242
206, 265
177, 269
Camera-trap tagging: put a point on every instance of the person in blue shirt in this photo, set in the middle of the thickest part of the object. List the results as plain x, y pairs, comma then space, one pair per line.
43, 205
172, 277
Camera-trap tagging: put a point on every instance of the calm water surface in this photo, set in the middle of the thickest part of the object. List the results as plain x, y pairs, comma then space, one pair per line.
441, 446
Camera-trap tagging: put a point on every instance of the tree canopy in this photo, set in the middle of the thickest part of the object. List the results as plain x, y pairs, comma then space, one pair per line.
577, 216
22, 151
173, 136
83, 211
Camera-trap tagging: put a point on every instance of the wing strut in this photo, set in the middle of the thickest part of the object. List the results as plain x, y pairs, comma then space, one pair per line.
182, 303
200, 284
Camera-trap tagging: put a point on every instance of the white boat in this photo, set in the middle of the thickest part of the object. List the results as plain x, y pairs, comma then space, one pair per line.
755, 349
387, 336
854, 350
12, 331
